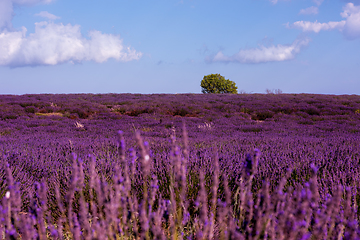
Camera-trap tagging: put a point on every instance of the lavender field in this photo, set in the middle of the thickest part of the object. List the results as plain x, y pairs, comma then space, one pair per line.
183, 166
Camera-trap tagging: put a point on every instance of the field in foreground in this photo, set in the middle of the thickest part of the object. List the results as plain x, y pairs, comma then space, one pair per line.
184, 166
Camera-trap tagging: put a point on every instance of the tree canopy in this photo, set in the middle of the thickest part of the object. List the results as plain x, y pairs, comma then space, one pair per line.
215, 83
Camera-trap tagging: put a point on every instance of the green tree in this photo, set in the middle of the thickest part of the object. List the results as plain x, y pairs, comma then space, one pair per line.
215, 83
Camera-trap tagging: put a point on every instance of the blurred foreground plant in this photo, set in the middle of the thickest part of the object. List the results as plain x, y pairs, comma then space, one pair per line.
93, 207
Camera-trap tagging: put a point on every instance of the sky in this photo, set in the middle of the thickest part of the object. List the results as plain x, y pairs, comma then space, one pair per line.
168, 46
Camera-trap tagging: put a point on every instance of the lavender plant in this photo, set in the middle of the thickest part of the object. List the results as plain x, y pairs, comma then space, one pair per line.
131, 206
301, 182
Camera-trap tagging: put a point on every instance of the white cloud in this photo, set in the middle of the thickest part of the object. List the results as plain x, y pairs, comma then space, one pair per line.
318, 2
53, 44
263, 54
352, 26
310, 10
313, 9
349, 27
47, 15
307, 26
10, 43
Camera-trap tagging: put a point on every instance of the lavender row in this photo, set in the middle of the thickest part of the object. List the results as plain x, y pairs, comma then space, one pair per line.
254, 106
144, 196
65, 175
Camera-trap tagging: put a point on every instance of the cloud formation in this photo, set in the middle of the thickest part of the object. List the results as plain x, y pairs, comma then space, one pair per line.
263, 54
352, 26
310, 10
349, 27
55, 43
47, 15
318, 2
307, 26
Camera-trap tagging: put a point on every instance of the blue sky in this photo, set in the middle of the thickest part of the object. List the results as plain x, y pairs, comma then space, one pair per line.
165, 46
